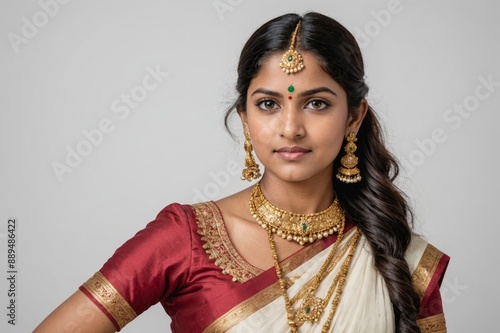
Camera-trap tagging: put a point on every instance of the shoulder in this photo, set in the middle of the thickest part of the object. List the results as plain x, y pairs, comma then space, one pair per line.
427, 265
147, 268
167, 231
174, 220
176, 211
236, 205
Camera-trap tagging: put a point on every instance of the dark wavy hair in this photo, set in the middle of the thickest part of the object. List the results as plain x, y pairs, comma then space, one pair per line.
374, 204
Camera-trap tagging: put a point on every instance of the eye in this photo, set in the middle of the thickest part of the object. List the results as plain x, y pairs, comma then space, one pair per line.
267, 105
317, 104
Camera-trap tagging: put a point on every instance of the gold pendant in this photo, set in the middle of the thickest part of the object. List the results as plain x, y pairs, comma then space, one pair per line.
311, 310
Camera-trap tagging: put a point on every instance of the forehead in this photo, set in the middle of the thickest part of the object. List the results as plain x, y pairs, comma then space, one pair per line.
272, 77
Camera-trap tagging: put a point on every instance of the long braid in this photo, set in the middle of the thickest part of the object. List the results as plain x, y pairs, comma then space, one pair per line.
380, 210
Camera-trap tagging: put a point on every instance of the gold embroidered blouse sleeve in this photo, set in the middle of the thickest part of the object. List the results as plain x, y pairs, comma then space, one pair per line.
425, 269
423, 259
427, 265
433, 324
110, 299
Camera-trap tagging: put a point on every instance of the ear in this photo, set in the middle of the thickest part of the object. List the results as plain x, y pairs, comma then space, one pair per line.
243, 117
356, 117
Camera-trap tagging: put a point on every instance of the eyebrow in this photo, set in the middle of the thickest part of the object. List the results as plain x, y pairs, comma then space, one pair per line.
302, 94
317, 90
267, 92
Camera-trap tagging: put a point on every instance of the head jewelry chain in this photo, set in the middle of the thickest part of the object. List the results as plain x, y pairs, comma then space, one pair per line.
292, 61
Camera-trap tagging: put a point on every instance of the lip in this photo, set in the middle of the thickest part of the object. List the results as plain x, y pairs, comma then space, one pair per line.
292, 153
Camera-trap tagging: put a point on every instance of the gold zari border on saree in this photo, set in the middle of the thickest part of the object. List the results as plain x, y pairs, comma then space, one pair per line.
425, 270
104, 293
271, 293
433, 324
244, 309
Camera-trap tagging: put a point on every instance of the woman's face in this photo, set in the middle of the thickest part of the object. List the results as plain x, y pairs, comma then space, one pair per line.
297, 132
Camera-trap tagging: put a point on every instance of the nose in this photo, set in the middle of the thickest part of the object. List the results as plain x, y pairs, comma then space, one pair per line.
292, 124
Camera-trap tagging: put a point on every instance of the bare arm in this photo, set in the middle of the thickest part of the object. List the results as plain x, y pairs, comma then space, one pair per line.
76, 314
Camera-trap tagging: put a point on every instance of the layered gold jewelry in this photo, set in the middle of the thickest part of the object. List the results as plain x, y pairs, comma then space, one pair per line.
251, 170
348, 172
300, 228
312, 307
292, 61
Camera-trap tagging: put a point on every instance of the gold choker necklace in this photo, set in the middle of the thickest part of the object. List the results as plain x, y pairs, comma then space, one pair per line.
301, 228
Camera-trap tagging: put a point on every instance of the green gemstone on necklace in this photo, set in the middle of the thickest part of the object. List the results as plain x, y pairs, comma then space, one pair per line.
304, 226
308, 309
291, 88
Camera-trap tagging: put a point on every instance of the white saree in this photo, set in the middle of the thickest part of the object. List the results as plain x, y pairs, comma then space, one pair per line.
364, 306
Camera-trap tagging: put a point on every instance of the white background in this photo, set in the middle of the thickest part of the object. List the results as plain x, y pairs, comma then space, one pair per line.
63, 79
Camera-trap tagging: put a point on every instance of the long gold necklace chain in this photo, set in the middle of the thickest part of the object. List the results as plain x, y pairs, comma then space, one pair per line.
282, 284
300, 228
312, 307
337, 286
338, 256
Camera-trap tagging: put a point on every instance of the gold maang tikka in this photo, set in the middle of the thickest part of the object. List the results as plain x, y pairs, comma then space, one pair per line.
292, 61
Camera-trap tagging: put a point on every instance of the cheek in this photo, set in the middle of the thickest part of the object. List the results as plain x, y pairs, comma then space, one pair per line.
333, 142
261, 138
261, 132
331, 137
263, 135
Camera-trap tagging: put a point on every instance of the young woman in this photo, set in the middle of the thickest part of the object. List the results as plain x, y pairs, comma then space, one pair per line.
322, 243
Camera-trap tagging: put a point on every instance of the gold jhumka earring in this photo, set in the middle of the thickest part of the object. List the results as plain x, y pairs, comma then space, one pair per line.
348, 172
251, 170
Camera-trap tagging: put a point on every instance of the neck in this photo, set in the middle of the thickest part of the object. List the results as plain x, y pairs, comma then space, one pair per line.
304, 197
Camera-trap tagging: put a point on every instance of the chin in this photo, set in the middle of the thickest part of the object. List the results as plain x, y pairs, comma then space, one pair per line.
292, 177
301, 174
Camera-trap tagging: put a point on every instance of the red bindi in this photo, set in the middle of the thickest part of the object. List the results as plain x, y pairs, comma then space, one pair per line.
289, 97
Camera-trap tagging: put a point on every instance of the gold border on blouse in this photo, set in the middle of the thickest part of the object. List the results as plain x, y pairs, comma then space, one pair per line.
425, 269
217, 244
104, 293
433, 324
